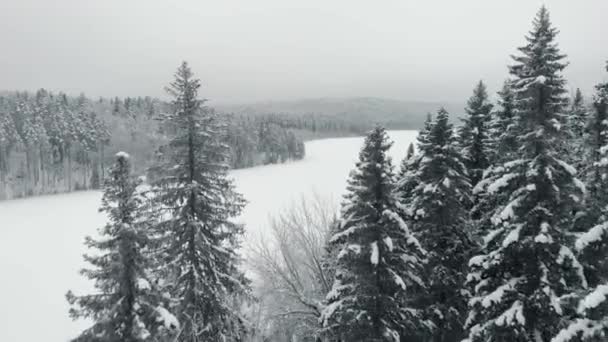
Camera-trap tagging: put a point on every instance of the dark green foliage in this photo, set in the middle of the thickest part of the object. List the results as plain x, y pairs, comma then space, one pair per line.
503, 126
526, 264
503, 146
126, 305
407, 176
577, 118
439, 217
410, 151
474, 133
195, 201
379, 261
592, 246
578, 115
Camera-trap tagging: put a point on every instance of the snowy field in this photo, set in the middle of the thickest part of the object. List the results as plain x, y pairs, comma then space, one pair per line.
41, 239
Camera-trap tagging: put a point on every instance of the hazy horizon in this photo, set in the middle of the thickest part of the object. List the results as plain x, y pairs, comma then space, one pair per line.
270, 50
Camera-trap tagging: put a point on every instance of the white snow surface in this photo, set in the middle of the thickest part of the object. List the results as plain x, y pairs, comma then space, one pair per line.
582, 326
515, 314
122, 154
167, 319
374, 257
143, 284
511, 237
594, 234
41, 238
594, 299
389, 243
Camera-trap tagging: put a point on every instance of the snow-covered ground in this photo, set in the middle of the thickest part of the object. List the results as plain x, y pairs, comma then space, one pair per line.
41, 239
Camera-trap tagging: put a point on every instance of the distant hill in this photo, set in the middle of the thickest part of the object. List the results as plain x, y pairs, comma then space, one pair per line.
392, 113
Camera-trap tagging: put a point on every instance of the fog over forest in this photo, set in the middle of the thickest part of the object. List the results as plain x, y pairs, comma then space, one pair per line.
272, 50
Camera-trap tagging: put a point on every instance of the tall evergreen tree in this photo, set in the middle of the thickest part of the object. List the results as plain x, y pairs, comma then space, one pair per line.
409, 156
379, 262
503, 126
406, 163
407, 177
527, 264
474, 133
592, 323
127, 306
9, 139
578, 117
440, 221
577, 121
503, 146
197, 200
594, 151
410, 151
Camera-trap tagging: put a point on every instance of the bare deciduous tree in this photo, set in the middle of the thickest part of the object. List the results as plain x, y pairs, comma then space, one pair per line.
292, 270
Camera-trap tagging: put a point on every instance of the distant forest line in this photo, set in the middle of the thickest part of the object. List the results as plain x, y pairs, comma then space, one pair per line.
54, 143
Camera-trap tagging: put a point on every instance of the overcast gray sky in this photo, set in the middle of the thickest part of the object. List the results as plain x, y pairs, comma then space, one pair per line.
257, 50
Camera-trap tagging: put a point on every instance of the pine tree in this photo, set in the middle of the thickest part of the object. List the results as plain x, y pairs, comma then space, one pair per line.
577, 121
503, 126
426, 128
56, 127
594, 151
592, 323
116, 110
503, 146
126, 306
410, 151
578, 115
407, 177
379, 261
526, 264
33, 136
196, 200
409, 156
9, 139
439, 220
406, 181
474, 133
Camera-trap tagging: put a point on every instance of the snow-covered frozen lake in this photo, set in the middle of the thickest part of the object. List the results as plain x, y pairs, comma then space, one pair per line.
41, 238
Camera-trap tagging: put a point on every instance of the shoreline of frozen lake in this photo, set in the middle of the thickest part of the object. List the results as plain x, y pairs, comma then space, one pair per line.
41, 238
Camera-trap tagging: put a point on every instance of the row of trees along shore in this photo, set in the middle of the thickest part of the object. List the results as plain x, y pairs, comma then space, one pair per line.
51, 142
492, 232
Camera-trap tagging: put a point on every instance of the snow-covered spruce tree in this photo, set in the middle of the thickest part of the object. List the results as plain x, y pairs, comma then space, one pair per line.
410, 151
503, 126
406, 177
474, 133
527, 264
578, 117
9, 140
380, 260
592, 326
406, 182
126, 306
576, 120
408, 158
196, 200
502, 146
440, 221
593, 245
592, 323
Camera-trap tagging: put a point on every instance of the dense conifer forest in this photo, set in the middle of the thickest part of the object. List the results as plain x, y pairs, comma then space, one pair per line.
51, 142
493, 228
